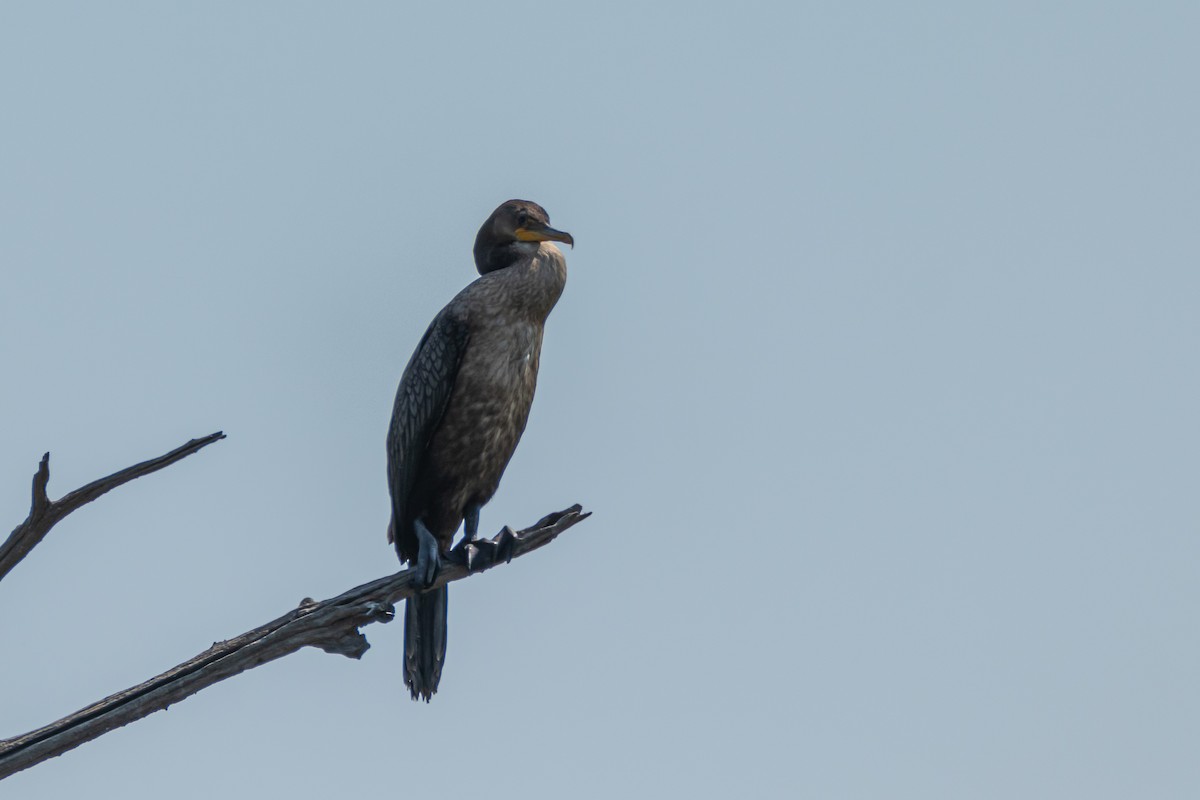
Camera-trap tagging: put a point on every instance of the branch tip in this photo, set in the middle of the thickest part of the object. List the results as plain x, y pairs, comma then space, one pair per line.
44, 513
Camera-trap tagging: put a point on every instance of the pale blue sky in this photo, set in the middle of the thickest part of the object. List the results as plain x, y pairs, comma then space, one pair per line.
877, 365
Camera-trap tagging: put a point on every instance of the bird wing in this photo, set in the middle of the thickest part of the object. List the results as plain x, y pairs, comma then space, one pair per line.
421, 401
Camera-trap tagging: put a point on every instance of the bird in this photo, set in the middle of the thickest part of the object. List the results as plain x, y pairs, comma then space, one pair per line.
461, 407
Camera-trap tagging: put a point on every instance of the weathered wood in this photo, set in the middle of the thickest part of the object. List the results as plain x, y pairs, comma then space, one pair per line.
331, 625
44, 514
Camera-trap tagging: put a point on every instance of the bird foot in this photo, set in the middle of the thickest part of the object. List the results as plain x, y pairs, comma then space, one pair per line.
477, 554
506, 543
428, 561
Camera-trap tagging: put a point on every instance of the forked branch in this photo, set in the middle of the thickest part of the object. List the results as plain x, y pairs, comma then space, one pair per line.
44, 513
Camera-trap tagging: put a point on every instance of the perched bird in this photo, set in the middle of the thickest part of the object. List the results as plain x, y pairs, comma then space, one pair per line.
460, 410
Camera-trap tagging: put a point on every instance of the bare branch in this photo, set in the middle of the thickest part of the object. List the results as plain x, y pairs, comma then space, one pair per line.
44, 514
331, 625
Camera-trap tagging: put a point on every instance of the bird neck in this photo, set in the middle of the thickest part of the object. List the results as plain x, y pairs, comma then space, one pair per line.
491, 256
530, 286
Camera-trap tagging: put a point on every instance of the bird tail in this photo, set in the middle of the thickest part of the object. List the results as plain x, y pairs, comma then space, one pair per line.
424, 642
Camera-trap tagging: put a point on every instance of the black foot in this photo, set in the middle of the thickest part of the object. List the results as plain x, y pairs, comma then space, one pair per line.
483, 553
506, 542
428, 562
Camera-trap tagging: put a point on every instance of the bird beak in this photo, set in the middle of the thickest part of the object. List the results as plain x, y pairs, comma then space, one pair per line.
537, 232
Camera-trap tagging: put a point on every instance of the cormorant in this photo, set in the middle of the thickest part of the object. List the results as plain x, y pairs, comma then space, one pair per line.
461, 407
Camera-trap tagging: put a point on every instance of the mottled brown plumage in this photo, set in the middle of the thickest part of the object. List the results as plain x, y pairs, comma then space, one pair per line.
462, 405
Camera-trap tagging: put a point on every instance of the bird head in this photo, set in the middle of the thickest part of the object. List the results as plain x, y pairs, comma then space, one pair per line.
513, 231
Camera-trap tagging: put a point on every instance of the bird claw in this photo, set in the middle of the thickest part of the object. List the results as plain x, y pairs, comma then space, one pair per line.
506, 543
477, 554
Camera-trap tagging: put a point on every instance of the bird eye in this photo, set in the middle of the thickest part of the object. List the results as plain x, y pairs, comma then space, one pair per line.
522, 219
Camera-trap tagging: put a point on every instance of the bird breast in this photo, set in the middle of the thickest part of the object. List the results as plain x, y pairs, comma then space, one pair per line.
487, 412
506, 312
498, 377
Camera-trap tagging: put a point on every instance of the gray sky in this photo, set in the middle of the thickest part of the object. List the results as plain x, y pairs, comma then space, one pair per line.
877, 365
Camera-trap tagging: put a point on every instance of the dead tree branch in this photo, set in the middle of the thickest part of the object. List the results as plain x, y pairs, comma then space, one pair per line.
332, 625
44, 514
